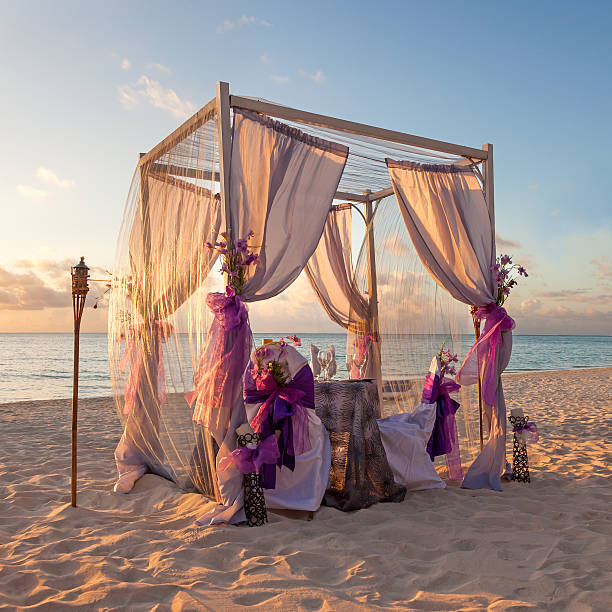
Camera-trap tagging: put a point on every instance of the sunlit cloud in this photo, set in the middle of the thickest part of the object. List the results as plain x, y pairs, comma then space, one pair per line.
31, 193
152, 92
277, 78
125, 64
603, 266
46, 175
533, 187
160, 68
554, 213
228, 24
317, 77
396, 246
28, 291
264, 59
506, 244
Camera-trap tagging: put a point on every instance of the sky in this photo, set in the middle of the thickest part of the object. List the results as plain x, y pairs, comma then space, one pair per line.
87, 86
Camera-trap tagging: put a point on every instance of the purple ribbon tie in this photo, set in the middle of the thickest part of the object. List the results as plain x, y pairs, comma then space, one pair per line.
528, 432
444, 439
251, 460
283, 409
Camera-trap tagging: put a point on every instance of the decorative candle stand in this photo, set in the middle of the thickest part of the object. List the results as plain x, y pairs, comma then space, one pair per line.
520, 460
254, 501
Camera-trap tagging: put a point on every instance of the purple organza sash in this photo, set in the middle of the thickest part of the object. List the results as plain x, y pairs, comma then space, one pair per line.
481, 357
528, 432
444, 439
134, 355
250, 460
221, 364
283, 409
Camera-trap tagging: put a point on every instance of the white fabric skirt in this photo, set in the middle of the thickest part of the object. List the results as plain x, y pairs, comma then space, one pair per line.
302, 489
405, 438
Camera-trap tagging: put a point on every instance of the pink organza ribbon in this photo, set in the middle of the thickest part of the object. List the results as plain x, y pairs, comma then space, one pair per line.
250, 460
481, 357
134, 355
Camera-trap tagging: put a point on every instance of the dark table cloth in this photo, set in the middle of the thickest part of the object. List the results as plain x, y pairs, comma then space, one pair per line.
360, 474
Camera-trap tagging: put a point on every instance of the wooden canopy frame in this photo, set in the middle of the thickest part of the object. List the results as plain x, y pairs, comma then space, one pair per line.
223, 102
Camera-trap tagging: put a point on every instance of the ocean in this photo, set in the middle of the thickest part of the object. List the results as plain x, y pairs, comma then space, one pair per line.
39, 366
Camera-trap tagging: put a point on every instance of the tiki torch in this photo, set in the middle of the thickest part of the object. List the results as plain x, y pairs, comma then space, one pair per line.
80, 274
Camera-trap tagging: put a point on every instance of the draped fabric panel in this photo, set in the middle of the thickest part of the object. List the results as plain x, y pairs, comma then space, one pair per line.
448, 220
331, 276
154, 325
282, 184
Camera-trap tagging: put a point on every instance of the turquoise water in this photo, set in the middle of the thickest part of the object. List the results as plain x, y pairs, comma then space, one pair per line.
39, 366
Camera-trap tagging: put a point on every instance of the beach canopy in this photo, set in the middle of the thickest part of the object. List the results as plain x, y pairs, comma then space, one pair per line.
291, 184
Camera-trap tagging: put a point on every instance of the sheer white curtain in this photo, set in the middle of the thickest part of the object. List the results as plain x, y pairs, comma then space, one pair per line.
331, 275
167, 228
282, 184
448, 220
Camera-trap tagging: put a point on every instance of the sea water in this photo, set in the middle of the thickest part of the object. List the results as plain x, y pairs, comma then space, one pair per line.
39, 366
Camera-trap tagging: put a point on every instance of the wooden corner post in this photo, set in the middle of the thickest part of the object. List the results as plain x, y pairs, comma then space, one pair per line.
373, 295
489, 193
224, 129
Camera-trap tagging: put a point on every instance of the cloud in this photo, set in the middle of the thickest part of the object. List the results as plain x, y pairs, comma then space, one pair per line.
581, 296
46, 175
264, 59
31, 193
537, 317
317, 77
228, 25
533, 187
29, 292
506, 244
554, 213
125, 64
161, 68
153, 93
604, 267
396, 246
279, 79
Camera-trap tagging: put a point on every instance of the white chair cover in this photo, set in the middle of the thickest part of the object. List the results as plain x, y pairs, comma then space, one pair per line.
405, 438
302, 489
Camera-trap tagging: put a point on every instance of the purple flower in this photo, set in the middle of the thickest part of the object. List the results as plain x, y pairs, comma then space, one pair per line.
495, 267
505, 259
452, 371
241, 245
522, 271
209, 245
250, 234
506, 291
229, 291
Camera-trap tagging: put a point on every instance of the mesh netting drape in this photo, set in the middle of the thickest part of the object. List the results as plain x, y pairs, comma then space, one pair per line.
415, 317
157, 319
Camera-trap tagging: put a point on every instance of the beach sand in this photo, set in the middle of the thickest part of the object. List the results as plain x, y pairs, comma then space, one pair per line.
545, 545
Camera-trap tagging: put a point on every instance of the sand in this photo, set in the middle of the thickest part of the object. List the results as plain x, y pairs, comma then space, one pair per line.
545, 545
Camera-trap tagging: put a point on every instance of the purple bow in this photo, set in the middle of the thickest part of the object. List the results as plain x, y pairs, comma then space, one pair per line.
483, 351
528, 432
444, 439
283, 409
250, 460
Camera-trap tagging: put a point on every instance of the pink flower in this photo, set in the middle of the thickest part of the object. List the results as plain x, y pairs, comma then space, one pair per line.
209, 245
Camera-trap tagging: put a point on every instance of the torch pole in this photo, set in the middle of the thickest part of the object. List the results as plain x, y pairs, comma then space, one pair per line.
79, 294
